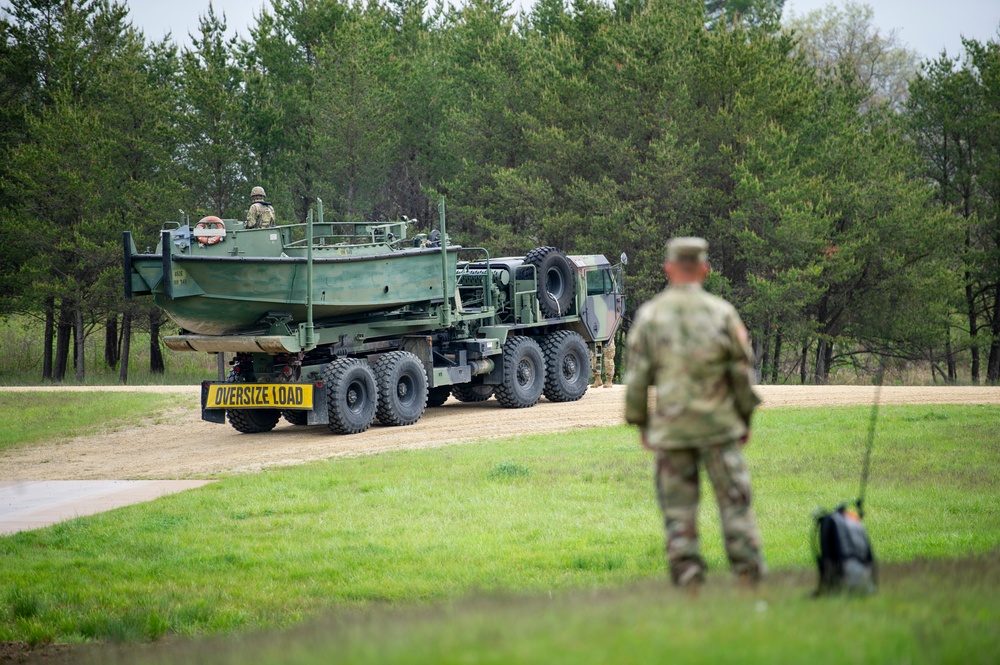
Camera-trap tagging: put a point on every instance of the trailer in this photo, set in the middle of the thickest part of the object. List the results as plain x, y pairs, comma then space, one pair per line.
345, 324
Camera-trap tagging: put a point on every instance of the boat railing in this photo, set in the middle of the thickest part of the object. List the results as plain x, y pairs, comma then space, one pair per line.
391, 234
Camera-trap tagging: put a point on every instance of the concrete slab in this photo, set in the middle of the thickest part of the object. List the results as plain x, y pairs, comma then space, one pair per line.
26, 505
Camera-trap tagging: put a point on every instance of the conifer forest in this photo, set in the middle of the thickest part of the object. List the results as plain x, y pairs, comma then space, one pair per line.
849, 189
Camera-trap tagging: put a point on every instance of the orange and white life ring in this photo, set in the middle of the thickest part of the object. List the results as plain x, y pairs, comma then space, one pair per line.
216, 230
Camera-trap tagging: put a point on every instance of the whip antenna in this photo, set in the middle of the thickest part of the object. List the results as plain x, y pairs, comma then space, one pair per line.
871, 436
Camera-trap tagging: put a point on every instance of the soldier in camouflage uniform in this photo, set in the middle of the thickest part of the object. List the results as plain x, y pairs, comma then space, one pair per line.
609, 365
261, 214
692, 348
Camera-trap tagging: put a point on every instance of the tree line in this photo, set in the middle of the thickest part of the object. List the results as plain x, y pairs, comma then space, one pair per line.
850, 194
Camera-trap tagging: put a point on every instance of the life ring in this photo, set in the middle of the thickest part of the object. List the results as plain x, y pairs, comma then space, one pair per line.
210, 223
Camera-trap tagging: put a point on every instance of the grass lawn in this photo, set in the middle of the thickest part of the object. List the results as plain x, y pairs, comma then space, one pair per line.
572, 516
30, 417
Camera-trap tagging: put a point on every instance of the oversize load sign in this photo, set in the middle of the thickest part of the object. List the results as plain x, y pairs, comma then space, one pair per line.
260, 396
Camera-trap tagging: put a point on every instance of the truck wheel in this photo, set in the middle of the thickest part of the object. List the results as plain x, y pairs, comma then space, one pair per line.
402, 388
567, 366
253, 421
467, 392
296, 417
438, 396
523, 373
351, 396
555, 280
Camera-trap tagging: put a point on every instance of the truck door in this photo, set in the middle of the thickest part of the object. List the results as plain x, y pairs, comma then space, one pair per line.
605, 303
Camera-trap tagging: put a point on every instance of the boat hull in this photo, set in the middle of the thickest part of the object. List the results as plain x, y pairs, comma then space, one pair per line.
222, 295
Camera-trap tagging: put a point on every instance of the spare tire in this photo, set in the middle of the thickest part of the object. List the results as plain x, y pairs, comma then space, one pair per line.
556, 280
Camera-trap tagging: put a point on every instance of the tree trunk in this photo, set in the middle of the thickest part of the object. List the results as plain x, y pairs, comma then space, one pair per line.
80, 338
820, 370
111, 341
970, 305
50, 316
950, 353
155, 354
973, 332
993, 366
765, 358
757, 358
126, 346
776, 361
803, 361
827, 361
63, 329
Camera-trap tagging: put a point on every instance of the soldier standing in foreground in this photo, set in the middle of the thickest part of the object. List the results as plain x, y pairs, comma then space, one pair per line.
261, 214
692, 348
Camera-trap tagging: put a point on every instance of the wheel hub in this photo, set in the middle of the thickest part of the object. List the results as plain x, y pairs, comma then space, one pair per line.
524, 373
570, 367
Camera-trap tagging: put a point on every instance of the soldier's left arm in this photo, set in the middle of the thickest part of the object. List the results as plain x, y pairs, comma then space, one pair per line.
639, 375
741, 368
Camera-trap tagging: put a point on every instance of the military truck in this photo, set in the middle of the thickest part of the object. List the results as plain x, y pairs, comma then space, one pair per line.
343, 324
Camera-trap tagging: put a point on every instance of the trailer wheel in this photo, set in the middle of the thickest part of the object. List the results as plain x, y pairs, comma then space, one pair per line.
250, 421
556, 277
523, 373
253, 421
351, 395
438, 396
296, 417
402, 388
567, 366
469, 392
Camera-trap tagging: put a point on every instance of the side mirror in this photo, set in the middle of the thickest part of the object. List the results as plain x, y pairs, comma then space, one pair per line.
624, 259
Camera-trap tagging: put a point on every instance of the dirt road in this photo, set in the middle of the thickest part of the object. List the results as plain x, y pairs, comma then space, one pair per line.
183, 446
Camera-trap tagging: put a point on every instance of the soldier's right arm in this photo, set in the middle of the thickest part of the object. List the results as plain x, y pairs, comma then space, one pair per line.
640, 374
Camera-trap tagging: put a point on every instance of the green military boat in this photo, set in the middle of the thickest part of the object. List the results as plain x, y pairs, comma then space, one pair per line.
218, 277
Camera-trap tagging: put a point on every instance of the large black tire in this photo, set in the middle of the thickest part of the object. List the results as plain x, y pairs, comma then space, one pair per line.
253, 421
438, 396
296, 417
402, 388
351, 395
523, 373
556, 280
567, 366
250, 421
469, 392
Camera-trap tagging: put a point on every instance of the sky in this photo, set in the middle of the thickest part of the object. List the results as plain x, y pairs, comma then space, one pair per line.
926, 26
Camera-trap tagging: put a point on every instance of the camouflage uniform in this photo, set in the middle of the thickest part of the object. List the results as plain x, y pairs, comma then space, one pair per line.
609, 365
692, 348
260, 215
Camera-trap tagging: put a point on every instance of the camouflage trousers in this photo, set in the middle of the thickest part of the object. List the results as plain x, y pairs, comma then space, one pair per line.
678, 491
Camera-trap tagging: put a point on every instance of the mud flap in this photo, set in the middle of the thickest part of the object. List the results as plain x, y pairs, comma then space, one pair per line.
210, 415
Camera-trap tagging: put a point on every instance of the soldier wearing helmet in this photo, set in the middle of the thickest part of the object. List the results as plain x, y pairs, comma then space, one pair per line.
261, 214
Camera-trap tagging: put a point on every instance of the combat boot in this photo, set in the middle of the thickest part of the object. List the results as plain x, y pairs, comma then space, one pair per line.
689, 580
597, 382
608, 383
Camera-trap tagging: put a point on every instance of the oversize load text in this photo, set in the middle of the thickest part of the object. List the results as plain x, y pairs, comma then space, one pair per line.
260, 395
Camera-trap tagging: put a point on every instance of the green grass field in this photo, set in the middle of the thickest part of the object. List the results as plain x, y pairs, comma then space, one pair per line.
532, 550
32, 417
35, 417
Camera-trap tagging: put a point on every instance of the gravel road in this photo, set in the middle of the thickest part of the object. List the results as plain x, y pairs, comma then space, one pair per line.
180, 445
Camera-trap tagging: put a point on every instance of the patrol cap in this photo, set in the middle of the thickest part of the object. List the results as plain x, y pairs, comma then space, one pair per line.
687, 249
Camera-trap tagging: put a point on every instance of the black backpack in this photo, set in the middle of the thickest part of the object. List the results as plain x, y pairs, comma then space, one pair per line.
844, 553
